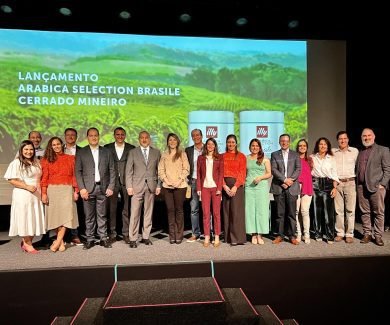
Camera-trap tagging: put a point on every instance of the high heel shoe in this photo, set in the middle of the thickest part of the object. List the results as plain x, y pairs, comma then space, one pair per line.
55, 246
217, 244
62, 247
206, 244
26, 249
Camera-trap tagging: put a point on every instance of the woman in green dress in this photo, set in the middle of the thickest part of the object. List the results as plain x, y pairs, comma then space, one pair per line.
257, 192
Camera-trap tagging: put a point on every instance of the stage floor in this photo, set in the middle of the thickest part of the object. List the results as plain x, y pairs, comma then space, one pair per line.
12, 257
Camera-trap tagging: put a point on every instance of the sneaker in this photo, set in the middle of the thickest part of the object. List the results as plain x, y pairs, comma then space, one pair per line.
330, 242
307, 240
76, 241
193, 239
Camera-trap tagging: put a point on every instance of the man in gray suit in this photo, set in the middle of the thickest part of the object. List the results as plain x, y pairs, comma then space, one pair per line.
373, 174
119, 151
95, 174
285, 167
142, 184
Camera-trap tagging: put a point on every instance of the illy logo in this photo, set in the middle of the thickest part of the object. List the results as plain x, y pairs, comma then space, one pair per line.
262, 131
212, 131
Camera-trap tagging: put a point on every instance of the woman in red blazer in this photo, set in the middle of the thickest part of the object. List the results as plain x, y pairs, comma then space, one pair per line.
209, 187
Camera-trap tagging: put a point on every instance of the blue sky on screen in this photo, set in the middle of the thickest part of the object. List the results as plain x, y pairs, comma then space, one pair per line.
84, 43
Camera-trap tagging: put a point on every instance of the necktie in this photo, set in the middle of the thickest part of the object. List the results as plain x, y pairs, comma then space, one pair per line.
145, 156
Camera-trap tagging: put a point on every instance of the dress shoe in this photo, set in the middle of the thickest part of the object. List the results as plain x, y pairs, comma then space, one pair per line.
366, 239
105, 243
126, 239
349, 240
133, 244
179, 241
147, 241
172, 241
338, 239
294, 241
89, 245
75, 240
277, 240
112, 238
379, 241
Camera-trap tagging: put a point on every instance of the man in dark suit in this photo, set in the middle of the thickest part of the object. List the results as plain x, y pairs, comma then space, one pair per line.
142, 184
286, 167
373, 174
71, 148
95, 174
193, 152
119, 151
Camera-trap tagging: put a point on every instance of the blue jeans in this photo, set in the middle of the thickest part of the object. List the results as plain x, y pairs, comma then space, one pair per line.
194, 203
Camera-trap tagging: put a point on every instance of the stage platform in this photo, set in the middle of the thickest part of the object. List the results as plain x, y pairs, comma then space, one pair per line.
299, 282
13, 258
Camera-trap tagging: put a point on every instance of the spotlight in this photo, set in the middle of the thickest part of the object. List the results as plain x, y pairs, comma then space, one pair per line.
294, 23
185, 18
65, 11
6, 9
125, 14
241, 21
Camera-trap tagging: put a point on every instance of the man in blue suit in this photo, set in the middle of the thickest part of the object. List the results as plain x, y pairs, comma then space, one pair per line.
95, 174
285, 167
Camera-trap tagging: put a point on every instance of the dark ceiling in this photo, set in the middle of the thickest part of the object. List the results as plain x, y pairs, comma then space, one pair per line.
265, 19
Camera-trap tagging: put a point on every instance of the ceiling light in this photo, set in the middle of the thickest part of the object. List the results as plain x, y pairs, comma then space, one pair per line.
241, 21
294, 23
185, 18
6, 9
125, 14
65, 11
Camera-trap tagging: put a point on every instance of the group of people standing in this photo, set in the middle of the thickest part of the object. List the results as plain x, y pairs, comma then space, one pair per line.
335, 179
80, 189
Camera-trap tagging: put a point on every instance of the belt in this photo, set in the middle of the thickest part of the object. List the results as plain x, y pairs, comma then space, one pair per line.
350, 179
97, 183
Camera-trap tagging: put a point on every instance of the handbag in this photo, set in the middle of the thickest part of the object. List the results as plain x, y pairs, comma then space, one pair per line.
189, 192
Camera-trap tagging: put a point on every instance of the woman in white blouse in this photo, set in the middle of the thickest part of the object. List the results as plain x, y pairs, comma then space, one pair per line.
27, 215
325, 181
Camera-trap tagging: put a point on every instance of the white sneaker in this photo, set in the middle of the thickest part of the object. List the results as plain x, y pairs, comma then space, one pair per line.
307, 240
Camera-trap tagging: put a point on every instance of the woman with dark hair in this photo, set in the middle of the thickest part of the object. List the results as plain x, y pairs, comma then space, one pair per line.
209, 188
258, 171
325, 182
306, 185
27, 215
59, 191
173, 170
234, 163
